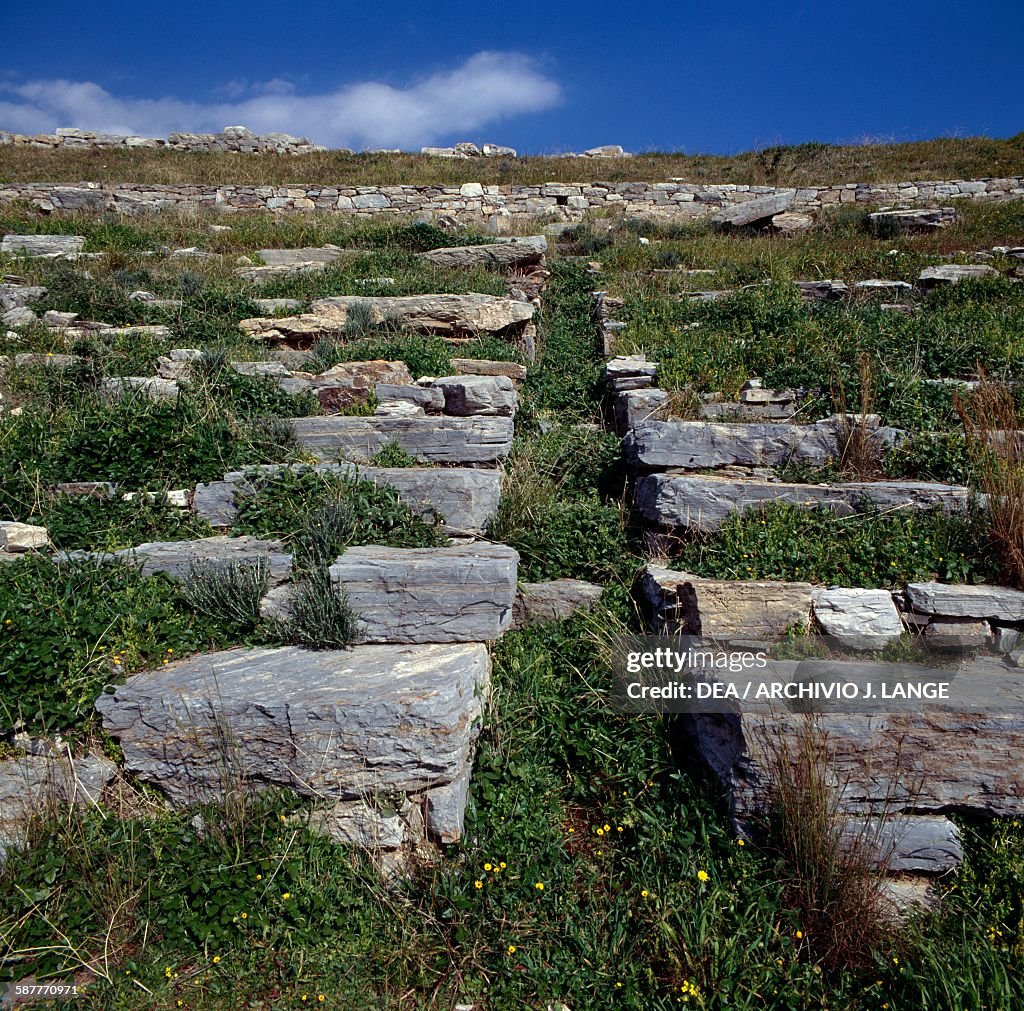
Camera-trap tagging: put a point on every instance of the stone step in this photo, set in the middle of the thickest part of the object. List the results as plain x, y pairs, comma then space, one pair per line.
725, 609
695, 445
340, 725
483, 440
177, 558
701, 502
52, 246
515, 252
414, 595
466, 499
448, 315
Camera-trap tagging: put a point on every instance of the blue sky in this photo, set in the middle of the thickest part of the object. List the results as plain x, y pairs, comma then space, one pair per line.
543, 77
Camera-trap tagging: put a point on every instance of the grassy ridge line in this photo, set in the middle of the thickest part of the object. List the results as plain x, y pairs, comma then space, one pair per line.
811, 164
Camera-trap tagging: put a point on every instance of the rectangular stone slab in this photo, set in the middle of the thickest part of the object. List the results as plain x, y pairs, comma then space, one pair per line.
176, 558
953, 601
961, 756
452, 315
456, 594
723, 608
336, 724
695, 445
704, 502
465, 498
42, 245
428, 439
517, 252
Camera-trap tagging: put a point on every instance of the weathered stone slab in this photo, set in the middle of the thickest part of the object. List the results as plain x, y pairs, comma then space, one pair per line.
264, 274
149, 387
272, 305
751, 211
466, 396
456, 594
958, 635
916, 219
430, 398
306, 254
704, 502
260, 370
962, 755
960, 601
52, 246
466, 499
857, 618
335, 724
17, 537
519, 252
353, 382
18, 296
953, 273
913, 844
698, 444
428, 439
177, 558
481, 367
33, 784
721, 608
634, 407
451, 315
553, 601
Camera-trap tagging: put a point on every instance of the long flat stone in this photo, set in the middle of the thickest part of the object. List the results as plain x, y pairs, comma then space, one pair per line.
305, 254
518, 252
450, 315
754, 210
698, 444
334, 724
177, 558
704, 502
31, 784
42, 245
412, 595
960, 601
479, 439
723, 608
466, 499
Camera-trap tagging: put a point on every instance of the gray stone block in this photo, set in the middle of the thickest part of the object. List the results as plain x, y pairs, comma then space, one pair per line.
334, 724
428, 439
413, 595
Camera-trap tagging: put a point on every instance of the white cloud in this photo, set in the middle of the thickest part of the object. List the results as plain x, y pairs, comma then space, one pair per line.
486, 89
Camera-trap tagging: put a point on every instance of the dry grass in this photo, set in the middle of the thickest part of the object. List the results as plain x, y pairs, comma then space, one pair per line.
806, 164
834, 878
993, 428
860, 456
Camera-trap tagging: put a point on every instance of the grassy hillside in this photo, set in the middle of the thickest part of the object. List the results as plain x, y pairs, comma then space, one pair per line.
806, 164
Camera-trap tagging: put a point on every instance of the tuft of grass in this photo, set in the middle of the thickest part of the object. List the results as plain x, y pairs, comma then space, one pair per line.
833, 879
996, 445
229, 594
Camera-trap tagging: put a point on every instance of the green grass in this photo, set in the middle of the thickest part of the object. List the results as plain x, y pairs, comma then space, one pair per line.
646, 891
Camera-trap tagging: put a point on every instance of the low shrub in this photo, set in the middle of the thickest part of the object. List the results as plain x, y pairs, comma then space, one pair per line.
230, 594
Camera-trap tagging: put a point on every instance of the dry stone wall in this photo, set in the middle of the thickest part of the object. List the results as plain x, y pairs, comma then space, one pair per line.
232, 138
474, 200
